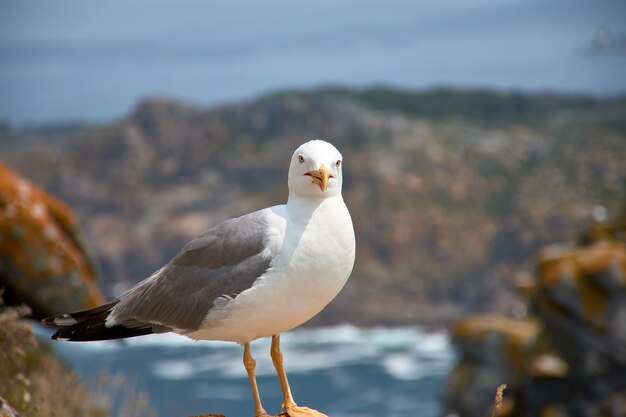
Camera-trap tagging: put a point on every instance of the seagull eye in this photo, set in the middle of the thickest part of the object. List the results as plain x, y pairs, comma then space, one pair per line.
301, 159
338, 163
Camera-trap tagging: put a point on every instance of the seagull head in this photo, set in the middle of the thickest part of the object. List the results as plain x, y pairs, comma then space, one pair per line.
315, 170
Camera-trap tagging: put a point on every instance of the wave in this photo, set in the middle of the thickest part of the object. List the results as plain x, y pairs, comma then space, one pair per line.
403, 353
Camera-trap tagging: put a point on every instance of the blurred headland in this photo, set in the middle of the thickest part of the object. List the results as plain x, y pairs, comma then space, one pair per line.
451, 192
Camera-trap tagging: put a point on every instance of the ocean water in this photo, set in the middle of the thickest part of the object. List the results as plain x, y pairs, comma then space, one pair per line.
343, 371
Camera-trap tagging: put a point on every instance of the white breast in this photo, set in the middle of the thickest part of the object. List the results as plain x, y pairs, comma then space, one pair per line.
313, 263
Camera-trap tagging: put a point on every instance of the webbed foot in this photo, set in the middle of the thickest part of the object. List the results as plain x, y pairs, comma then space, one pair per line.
294, 410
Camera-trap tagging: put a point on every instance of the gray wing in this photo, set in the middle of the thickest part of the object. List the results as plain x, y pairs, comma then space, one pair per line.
224, 261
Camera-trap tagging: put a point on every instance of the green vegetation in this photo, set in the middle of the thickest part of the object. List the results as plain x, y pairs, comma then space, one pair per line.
487, 107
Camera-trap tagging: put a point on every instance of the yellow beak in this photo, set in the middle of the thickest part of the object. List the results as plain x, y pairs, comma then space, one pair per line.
320, 177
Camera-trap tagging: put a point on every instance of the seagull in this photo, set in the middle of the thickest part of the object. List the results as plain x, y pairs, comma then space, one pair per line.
249, 277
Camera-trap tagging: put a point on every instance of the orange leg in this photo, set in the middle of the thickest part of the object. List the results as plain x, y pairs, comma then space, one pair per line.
277, 359
250, 364
289, 405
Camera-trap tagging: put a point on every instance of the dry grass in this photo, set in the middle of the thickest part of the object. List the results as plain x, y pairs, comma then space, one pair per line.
37, 384
497, 402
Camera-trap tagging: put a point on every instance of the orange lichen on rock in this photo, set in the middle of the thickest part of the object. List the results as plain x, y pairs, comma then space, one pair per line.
479, 326
42, 259
601, 255
556, 262
570, 275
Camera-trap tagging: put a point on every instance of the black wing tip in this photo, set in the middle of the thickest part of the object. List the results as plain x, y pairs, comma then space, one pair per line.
69, 319
98, 333
90, 325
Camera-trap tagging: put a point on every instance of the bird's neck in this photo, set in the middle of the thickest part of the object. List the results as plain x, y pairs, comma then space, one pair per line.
305, 206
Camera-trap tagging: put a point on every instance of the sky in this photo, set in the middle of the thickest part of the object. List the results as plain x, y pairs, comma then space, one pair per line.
89, 61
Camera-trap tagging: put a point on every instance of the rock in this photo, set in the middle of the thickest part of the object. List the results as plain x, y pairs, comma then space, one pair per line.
43, 261
283, 414
209, 415
494, 349
571, 361
582, 301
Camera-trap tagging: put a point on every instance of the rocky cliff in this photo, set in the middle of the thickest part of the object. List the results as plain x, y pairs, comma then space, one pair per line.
450, 192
